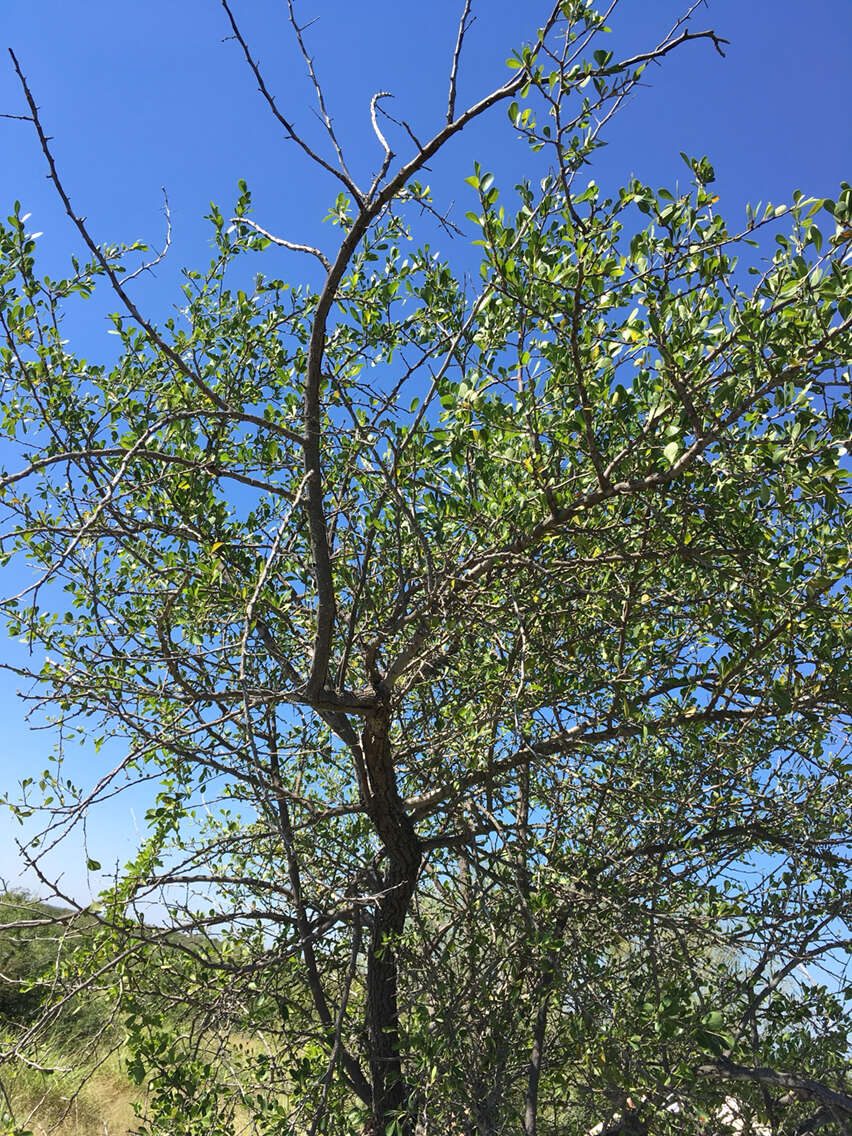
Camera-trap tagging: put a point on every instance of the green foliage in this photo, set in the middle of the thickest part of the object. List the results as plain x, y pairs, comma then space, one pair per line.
40, 945
25, 956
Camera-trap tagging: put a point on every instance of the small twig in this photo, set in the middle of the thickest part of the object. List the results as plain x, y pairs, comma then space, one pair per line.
321, 257
443, 219
454, 69
326, 117
664, 49
382, 140
380, 95
401, 122
166, 245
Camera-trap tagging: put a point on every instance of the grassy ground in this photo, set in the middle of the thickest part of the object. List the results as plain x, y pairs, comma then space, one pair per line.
56, 1104
49, 1104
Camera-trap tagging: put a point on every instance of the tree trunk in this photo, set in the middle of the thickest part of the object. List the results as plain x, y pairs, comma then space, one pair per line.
390, 1094
534, 1064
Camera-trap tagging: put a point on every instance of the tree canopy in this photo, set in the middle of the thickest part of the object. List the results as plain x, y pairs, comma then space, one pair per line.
487, 633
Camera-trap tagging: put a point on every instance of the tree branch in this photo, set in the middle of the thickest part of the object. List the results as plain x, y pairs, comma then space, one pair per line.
290, 130
838, 1103
454, 69
321, 257
110, 272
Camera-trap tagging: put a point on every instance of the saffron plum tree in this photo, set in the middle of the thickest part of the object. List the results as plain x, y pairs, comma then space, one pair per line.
488, 635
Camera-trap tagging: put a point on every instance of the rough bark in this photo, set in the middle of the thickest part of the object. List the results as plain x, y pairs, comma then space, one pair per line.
404, 854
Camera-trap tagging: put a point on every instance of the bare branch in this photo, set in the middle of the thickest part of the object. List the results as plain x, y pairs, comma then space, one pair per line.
321, 257
377, 132
290, 130
383, 141
838, 1103
454, 69
666, 47
326, 117
96, 251
166, 244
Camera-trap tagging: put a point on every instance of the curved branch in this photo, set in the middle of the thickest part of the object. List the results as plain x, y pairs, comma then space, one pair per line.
840, 1104
321, 257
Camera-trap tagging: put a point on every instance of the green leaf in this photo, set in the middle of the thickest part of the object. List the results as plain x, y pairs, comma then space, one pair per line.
671, 452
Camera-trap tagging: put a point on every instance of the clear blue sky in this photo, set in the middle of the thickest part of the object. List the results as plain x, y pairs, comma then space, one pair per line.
147, 95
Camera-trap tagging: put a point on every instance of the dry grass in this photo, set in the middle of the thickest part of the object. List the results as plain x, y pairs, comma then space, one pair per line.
56, 1104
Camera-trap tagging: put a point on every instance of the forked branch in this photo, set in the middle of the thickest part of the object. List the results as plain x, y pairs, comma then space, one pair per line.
341, 174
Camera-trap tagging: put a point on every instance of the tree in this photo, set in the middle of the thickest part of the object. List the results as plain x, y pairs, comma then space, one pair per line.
505, 620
